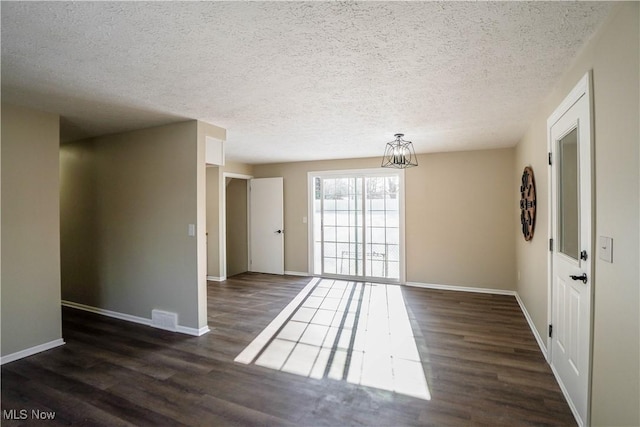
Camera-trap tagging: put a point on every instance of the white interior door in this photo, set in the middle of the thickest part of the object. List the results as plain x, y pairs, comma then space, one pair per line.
571, 273
267, 225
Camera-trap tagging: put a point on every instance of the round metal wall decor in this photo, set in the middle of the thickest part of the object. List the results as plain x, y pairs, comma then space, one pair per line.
528, 203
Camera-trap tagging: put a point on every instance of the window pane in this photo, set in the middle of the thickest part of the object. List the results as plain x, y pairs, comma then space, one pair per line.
342, 218
377, 235
393, 219
329, 234
330, 265
330, 250
343, 251
568, 186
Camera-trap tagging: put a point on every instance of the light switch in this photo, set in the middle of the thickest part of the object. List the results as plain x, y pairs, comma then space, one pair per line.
304, 219
605, 248
192, 230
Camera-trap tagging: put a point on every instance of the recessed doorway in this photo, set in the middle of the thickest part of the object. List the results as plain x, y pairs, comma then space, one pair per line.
236, 220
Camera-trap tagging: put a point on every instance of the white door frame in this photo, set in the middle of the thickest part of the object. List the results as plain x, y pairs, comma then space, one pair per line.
223, 220
582, 88
362, 172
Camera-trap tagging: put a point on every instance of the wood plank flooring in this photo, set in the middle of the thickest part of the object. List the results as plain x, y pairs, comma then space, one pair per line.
481, 361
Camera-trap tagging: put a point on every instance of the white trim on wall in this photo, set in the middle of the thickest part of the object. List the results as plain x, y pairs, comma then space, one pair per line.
297, 273
536, 335
193, 331
535, 332
133, 319
31, 351
108, 313
461, 288
216, 279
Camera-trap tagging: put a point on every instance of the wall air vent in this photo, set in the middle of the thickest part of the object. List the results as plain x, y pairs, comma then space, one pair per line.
164, 320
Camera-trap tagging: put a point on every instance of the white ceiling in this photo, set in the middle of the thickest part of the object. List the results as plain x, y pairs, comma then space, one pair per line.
296, 80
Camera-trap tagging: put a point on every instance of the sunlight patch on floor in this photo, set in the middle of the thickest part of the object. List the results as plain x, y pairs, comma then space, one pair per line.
345, 331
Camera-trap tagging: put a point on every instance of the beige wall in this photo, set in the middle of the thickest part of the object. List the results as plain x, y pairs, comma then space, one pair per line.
459, 219
126, 203
236, 227
459, 222
613, 56
79, 223
237, 168
30, 229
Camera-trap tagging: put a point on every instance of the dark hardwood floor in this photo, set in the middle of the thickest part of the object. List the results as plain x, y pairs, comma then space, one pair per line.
481, 361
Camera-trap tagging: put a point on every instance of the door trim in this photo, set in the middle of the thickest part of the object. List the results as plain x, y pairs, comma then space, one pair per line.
310, 214
222, 215
582, 88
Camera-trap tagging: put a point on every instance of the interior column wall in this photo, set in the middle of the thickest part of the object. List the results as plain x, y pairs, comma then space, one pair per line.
31, 313
127, 204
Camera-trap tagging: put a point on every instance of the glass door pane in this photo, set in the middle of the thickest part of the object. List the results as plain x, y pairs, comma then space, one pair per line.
342, 226
356, 225
317, 225
382, 230
568, 188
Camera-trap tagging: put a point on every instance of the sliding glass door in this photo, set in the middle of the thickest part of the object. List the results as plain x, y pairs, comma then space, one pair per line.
357, 224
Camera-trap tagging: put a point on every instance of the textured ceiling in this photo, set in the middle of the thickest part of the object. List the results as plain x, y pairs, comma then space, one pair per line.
296, 80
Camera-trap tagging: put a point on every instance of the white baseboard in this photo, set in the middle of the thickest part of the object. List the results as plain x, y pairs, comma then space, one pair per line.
296, 273
537, 336
216, 279
461, 288
193, 331
134, 319
539, 339
31, 351
108, 313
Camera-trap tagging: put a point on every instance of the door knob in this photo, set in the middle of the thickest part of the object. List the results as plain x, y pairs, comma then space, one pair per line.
582, 277
279, 231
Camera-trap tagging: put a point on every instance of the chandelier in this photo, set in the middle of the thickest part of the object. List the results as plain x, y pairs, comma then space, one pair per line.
399, 154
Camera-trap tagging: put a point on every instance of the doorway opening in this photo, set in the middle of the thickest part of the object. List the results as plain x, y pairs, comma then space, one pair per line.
356, 227
236, 220
234, 224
